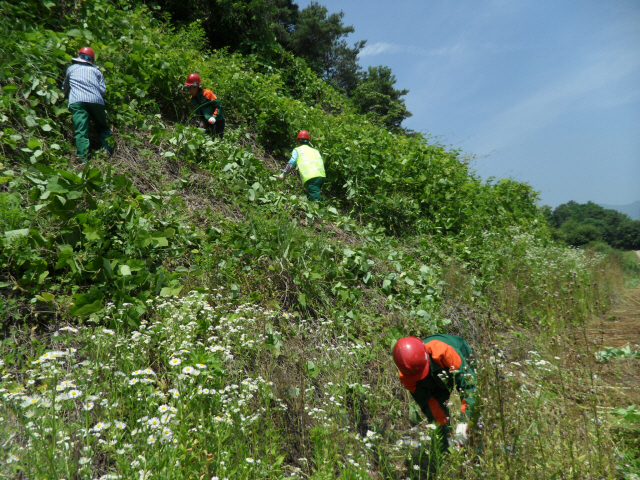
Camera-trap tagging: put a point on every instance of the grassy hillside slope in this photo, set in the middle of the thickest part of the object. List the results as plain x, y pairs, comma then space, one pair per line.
173, 312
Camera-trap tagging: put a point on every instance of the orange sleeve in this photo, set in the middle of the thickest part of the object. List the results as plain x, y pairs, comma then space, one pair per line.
444, 355
209, 94
437, 411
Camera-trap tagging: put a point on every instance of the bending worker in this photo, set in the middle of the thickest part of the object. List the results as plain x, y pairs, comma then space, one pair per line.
430, 369
86, 87
205, 105
310, 166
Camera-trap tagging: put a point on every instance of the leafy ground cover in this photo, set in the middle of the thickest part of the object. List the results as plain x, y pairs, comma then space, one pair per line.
172, 312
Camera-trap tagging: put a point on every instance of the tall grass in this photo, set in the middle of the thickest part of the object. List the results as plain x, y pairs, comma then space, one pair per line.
211, 387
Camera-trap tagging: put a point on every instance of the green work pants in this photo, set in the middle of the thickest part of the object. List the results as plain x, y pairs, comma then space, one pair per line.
313, 187
81, 112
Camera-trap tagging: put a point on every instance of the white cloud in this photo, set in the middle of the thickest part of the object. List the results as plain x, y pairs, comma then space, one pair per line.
379, 48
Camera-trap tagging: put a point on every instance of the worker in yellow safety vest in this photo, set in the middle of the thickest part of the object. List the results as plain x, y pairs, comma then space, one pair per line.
310, 166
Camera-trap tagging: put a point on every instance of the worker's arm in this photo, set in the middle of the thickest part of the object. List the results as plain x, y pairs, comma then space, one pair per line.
448, 358
101, 83
432, 408
217, 109
65, 83
292, 163
207, 111
465, 380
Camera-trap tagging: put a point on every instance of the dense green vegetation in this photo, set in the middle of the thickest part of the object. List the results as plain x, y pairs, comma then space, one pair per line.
579, 224
182, 250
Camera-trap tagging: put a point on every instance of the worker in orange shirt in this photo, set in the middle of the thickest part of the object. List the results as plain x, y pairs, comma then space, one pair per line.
205, 105
430, 368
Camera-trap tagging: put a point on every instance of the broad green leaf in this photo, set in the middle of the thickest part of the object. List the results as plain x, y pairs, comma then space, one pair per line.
86, 309
160, 241
16, 233
55, 187
136, 265
125, 270
74, 32
46, 297
33, 143
7, 89
170, 291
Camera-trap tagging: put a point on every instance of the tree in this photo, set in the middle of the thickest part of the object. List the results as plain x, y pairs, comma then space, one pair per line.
319, 39
376, 95
245, 26
578, 224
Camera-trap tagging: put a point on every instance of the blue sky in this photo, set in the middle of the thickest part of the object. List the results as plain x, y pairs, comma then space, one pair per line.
545, 92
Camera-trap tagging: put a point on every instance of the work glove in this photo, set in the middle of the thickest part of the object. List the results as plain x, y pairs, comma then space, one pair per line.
462, 434
211, 121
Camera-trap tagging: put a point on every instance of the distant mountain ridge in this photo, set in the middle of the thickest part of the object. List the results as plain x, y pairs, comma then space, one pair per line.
632, 209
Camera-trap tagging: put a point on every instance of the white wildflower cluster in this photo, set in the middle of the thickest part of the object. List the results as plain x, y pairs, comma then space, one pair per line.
127, 394
417, 437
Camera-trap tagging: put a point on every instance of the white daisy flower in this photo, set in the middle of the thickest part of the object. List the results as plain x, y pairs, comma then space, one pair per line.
175, 362
101, 426
153, 422
121, 425
74, 393
151, 439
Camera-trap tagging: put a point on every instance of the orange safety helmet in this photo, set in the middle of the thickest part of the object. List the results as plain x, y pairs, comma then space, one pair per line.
411, 357
303, 135
193, 80
85, 52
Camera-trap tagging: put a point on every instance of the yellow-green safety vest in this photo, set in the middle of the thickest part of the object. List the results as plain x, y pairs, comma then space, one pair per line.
309, 163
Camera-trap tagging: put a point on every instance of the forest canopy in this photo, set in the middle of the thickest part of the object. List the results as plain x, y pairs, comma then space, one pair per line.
578, 224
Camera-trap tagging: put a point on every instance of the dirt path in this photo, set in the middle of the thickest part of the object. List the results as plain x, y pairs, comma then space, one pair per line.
618, 328
638, 253
622, 324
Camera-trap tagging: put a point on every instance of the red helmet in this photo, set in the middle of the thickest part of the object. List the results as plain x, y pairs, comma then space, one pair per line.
193, 80
411, 357
87, 51
303, 135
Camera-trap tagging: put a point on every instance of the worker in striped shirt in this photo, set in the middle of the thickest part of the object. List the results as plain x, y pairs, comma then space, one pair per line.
86, 88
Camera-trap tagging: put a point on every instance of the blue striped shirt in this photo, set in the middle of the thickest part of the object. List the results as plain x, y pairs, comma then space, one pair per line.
86, 84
